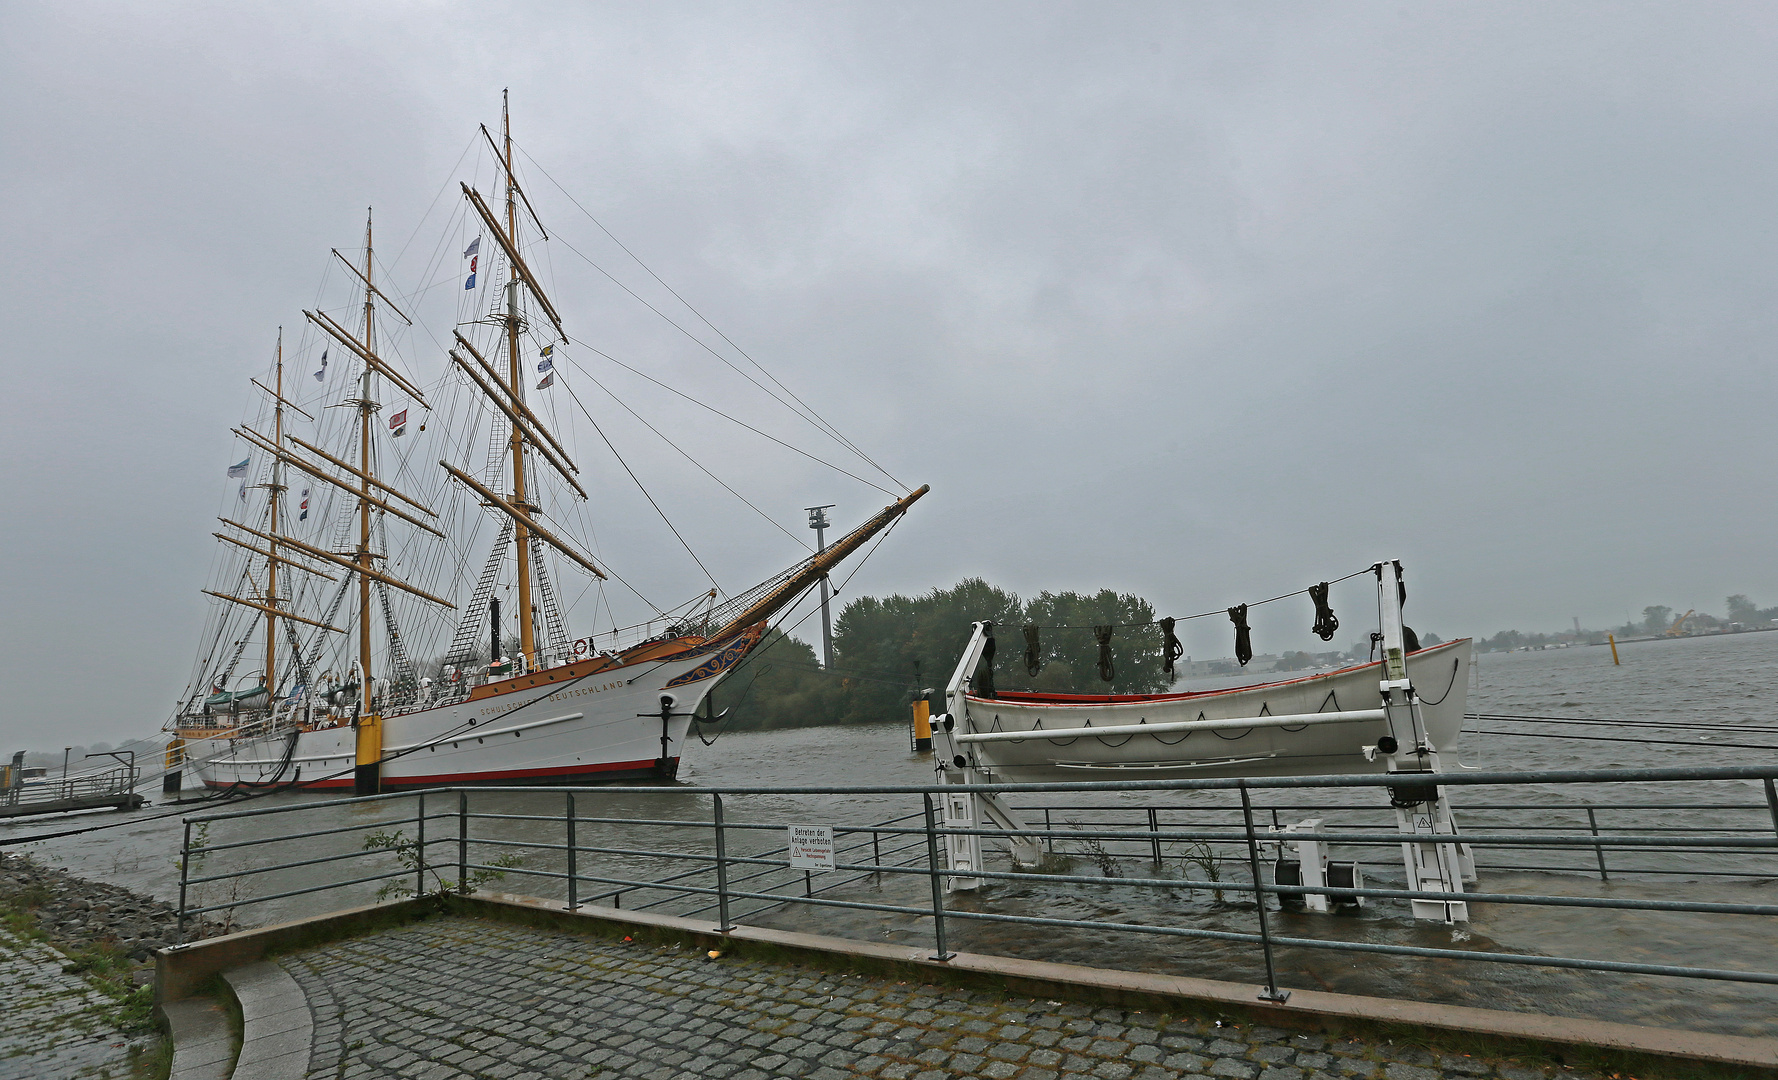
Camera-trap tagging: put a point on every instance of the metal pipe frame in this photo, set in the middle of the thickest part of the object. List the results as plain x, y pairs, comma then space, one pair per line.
770, 880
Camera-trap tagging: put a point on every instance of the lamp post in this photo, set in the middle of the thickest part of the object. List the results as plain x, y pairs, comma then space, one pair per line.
818, 522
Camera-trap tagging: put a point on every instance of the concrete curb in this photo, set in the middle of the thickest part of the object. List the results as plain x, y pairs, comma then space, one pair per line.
181, 971
1036, 978
203, 1045
277, 1029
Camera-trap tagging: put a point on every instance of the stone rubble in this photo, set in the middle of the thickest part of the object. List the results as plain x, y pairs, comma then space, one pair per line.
77, 913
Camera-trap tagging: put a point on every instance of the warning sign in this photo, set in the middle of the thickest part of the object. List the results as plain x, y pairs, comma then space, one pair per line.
811, 847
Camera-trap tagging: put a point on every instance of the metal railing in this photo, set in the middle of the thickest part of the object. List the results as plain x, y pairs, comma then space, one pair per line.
686, 851
112, 783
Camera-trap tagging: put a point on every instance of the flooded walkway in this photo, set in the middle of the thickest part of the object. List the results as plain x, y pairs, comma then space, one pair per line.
460, 997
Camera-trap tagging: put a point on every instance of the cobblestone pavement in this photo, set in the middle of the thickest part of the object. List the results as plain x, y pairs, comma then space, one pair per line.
54, 1024
459, 997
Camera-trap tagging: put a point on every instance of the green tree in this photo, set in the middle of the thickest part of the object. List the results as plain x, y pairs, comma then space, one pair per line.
1070, 652
778, 685
1743, 610
880, 644
1657, 617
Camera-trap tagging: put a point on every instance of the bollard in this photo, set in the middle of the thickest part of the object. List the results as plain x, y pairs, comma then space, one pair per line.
922, 725
1613, 639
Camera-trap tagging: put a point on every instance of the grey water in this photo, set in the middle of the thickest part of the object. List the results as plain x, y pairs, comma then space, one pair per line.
1724, 682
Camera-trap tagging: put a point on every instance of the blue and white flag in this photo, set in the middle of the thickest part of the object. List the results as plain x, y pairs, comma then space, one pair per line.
322, 374
243, 491
470, 253
240, 469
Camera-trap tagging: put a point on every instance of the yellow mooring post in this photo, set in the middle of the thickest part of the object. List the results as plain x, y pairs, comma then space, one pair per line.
367, 777
170, 778
1613, 639
922, 725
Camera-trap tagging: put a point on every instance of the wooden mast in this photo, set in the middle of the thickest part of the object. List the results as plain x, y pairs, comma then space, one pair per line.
271, 566
365, 407
521, 525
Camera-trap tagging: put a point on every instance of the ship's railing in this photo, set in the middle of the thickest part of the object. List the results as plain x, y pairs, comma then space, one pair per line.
1701, 842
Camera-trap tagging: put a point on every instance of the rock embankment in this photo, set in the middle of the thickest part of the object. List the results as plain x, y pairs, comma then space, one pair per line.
75, 912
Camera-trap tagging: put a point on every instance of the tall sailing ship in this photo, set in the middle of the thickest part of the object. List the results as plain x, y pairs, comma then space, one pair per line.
333, 574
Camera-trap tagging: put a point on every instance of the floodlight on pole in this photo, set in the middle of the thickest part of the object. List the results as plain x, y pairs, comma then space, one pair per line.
818, 522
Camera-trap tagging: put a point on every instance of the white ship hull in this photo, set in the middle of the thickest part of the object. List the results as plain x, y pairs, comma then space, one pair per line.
554, 726
1440, 675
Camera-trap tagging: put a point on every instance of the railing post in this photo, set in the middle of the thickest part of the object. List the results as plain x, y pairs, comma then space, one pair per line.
876, 854
1154, 837
1271, 991
1049, 841
463, 843
938, 891
184, 874
1772, 804
723, 926
420, 847
1598, 851
573, 863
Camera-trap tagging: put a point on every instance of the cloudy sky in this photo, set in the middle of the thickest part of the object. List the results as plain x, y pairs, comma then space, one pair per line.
1204, 302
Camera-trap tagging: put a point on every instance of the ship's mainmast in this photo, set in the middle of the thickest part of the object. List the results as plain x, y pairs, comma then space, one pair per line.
366, 406
516, 386
275, 491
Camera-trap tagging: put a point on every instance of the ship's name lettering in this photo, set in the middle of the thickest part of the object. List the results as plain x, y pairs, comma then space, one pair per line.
559, 695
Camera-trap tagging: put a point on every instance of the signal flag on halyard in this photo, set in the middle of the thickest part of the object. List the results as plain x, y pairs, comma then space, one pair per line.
474, 246
546, 381
398, 424
240, 469
546, 358
472, 254
322, 374
304, 516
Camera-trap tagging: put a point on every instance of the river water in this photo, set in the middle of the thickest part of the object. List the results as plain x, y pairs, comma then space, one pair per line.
1727, 681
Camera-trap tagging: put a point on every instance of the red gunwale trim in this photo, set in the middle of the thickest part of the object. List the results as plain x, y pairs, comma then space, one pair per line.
1028, 697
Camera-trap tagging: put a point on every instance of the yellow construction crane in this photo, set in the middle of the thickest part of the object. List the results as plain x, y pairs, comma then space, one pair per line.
1673, 631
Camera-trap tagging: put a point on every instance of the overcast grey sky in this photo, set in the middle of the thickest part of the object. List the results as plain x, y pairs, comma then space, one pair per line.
1205, 302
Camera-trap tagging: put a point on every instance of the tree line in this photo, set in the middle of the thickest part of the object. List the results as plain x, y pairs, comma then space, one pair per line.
889, 649
1657, 620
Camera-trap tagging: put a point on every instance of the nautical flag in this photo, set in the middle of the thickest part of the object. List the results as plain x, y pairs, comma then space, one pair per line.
304, 516
473, 259
474, 246
398, 424
547, 380
322, 374
241, 469
243, 491
546, 358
